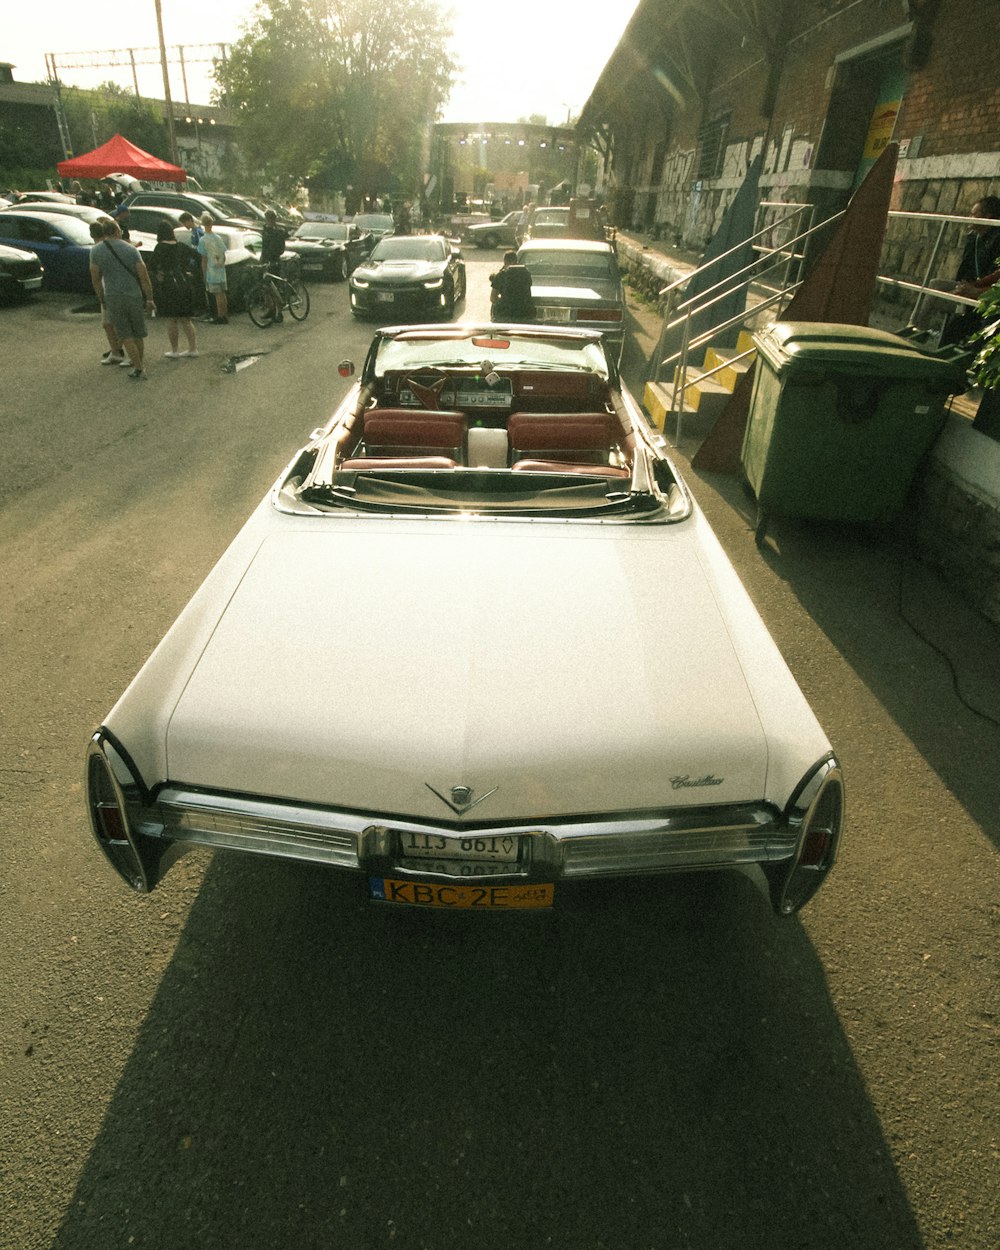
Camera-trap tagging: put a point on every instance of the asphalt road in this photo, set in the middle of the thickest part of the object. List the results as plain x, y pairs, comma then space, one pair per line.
254, 1058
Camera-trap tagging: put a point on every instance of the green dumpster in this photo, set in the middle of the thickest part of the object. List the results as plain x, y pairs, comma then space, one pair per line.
840, 418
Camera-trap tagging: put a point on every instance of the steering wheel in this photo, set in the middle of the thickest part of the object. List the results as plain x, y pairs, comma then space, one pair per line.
429, 396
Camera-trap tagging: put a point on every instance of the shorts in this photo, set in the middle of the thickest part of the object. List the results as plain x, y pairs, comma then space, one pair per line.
105, 316
219, 284
127, 315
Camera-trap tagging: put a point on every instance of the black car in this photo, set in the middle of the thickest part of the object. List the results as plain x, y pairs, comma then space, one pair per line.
191, 203
380, 225
20, 273
407, 277
330, 249
246, 206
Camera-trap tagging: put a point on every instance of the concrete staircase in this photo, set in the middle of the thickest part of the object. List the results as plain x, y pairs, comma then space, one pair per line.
704, 397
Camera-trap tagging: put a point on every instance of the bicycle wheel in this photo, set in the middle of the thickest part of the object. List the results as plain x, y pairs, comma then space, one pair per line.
298, 300
259, 307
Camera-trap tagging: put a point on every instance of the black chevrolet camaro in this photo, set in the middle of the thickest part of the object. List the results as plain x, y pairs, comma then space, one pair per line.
408, 277
330, 249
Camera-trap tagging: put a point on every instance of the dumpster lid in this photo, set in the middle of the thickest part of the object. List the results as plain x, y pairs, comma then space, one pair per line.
820, 346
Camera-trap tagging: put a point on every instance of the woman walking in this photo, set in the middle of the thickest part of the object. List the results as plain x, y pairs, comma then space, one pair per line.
170, 266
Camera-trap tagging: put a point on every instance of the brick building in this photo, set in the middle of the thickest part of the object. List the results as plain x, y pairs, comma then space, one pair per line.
696, 88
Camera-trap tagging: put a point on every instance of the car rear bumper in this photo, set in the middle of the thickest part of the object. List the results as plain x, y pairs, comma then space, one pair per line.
149, 831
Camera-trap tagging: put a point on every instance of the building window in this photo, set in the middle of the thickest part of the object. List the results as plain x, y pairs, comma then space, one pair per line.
712, 147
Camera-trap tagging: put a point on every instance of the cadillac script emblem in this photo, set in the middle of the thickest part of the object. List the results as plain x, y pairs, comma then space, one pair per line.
461, 800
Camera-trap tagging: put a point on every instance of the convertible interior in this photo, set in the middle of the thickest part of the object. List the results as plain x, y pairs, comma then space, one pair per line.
525, 420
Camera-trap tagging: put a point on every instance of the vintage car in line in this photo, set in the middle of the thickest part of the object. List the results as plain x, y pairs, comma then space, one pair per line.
330, 249
408, 276
577, 282
476, 646
502, 233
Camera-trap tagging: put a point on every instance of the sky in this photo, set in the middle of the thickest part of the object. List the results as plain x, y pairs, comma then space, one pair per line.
543, 57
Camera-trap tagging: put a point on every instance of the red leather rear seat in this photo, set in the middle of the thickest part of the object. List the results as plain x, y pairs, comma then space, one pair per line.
569, 433
390, 431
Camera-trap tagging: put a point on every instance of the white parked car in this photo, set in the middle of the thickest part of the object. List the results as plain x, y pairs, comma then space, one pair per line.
477, 641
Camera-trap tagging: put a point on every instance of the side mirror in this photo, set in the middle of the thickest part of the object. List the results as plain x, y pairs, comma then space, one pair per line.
346, 368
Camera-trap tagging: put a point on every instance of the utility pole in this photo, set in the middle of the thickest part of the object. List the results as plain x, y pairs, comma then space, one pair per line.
166, 85
57, 105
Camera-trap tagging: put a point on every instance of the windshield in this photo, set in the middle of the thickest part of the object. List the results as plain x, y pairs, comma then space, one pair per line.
408, 247
582, 264
321, 230
374, 221
73, 228
423, 349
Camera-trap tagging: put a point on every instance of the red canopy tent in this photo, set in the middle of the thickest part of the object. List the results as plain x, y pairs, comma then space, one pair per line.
118, 156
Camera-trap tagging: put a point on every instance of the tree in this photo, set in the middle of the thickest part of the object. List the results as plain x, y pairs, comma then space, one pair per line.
339, 90
93, 117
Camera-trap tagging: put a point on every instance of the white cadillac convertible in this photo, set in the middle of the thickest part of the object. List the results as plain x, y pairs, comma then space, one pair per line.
477, 642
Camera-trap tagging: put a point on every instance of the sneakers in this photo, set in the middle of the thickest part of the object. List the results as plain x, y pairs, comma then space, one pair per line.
277, 319
124, 363
220, 321
137, 375
112, 358
173, 355
189, 355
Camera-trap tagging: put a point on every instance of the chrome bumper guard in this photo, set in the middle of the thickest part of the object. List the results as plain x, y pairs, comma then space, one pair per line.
155, 829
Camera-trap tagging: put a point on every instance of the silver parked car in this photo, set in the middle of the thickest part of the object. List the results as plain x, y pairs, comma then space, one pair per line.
576, 282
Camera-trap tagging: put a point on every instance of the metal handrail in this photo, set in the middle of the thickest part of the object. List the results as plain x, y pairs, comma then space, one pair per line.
722, 255
754, 274
682, 383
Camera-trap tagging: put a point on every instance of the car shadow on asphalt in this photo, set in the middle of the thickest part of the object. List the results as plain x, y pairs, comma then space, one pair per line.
652, 1064
929, 658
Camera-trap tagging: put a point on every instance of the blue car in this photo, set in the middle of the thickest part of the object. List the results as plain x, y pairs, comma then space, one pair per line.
60, 242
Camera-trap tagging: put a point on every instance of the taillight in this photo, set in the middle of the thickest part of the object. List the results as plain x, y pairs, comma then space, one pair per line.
598, 314
819, 810
109, 815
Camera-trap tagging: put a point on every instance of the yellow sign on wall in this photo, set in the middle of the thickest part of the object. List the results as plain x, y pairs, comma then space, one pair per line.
880, 128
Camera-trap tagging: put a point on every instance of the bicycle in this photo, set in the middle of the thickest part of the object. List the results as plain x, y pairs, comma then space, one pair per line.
274, 291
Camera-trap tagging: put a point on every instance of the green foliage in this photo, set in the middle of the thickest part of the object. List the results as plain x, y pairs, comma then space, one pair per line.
340, 91
986, 366
93, 117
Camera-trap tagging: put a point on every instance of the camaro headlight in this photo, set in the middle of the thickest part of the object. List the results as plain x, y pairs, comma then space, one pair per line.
360, 283
432, 284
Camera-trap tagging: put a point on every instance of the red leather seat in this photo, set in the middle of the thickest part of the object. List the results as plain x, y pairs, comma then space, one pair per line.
406, 432
577, 436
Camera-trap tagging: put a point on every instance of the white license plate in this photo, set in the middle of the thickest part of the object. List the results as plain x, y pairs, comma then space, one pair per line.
555, 314
385, 297
501, 848
31, 284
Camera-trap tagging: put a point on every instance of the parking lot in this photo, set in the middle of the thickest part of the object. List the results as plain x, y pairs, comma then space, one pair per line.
255, 1057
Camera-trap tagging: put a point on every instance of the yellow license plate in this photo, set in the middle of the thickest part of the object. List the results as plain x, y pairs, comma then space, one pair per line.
461, 894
